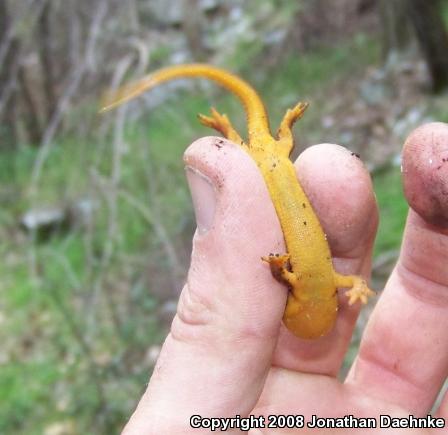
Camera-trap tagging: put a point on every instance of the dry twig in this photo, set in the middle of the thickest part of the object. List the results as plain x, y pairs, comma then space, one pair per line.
64, 102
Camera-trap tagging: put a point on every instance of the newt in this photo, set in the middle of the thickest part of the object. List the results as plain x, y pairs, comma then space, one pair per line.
306, 268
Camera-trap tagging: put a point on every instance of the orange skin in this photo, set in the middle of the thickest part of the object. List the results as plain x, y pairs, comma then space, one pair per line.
307, 267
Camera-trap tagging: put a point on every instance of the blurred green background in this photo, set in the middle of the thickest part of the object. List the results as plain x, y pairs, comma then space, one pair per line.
96, 220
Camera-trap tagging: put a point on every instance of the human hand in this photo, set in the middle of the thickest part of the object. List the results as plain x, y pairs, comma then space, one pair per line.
228, 354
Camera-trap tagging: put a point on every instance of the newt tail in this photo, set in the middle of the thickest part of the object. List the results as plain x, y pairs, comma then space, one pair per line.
307, 267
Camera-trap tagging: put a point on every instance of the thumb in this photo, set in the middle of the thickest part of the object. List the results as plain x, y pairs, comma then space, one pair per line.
215, 360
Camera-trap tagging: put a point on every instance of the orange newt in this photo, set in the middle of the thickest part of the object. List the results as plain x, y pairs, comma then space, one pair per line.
307, 267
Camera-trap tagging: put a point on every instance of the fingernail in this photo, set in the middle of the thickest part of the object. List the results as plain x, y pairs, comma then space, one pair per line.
204, 198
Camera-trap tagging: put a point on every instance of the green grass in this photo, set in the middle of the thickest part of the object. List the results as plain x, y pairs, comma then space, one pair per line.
22, 386
46, 288
393, 210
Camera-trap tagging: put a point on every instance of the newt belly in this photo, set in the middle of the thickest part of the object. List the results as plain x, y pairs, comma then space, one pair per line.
307, 267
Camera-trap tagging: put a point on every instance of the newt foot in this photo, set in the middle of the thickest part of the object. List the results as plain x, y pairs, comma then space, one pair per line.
284, 133
358, 288
292, 115
221, 123
281, 268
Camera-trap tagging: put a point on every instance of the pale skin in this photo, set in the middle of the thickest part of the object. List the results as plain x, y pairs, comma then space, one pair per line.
227, 352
